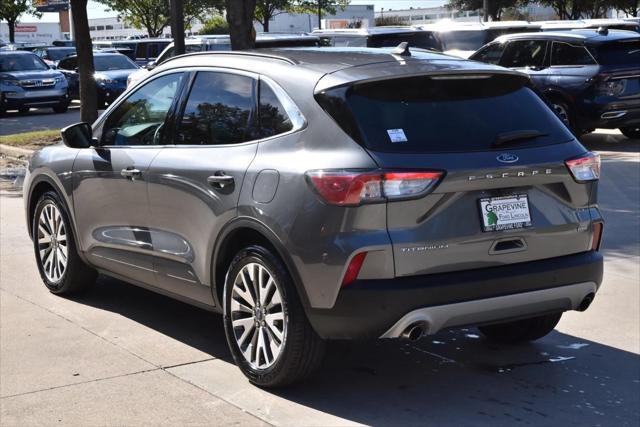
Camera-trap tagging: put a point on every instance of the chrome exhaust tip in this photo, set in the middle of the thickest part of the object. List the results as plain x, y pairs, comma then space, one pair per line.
586, 302
414, 331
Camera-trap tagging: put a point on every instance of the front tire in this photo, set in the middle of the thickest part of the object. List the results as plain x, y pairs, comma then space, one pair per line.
60, 266
61, 108
267, 330
631, 132
521, 330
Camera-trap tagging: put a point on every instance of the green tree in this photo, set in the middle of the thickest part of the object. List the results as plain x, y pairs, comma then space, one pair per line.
266, 10
496, 7
86, 69
155, 15
321, 7
215, 25
11, 10
630, 7
240, 16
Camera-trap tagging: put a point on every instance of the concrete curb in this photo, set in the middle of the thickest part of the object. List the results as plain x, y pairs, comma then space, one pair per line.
12, 151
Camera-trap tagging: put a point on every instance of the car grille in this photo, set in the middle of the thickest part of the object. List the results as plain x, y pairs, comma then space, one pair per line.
37, 83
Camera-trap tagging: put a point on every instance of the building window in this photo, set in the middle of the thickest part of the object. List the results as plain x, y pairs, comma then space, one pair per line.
100, 27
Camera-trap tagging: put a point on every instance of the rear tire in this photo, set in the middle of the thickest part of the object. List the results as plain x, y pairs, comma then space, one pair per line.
271, 341
631, 132
521, 330
564, 113
60, 266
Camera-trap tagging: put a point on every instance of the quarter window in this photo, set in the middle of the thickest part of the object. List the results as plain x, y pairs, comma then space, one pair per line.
273, 117
567, 54
219, 110
139, 119
524, 53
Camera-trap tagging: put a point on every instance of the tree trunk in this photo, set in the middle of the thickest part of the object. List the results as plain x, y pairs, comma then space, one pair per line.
240, 14
88, 101
319, 14
12, 31
265, 24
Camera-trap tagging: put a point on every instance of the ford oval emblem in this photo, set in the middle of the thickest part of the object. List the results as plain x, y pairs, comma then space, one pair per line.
507, 158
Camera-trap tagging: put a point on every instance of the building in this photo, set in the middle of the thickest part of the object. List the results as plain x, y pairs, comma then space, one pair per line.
32, 32
352, 16
114, 28
416, 16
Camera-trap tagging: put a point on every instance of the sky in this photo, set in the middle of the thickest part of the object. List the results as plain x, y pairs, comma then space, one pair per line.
97, 10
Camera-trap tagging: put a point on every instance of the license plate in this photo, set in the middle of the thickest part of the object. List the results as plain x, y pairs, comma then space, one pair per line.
505, 213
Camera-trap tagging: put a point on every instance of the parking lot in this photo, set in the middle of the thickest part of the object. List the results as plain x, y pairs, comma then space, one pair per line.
122, 355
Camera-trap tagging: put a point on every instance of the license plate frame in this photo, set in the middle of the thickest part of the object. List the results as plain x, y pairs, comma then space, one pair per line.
510, 212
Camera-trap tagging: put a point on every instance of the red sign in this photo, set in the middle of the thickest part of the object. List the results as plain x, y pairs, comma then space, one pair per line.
26, 29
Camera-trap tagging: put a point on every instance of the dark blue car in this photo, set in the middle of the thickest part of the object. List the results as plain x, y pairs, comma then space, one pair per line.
112, 70
590, 77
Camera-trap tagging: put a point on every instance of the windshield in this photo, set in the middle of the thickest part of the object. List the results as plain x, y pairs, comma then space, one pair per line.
463, 40
58, 54
113, 62
428, 115
22, 63
625, 53
424, 40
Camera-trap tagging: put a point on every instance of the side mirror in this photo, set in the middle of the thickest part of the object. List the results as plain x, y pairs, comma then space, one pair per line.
78, 135
151, 65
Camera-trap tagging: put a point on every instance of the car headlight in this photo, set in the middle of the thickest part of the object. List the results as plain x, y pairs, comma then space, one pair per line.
103, 80
8, 82
612, 87
60, 79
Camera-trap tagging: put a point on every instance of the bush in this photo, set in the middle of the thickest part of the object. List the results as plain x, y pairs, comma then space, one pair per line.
215, 25
389, 20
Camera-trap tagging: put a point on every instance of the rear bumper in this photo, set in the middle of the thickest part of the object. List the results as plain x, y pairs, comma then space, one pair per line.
613, 115
378, 308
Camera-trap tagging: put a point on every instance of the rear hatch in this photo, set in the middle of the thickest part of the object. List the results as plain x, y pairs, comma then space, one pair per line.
620, 62
505, 194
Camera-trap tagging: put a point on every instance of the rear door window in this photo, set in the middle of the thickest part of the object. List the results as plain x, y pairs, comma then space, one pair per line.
490, 54
524, 53
424, 115
219, 110
565, 54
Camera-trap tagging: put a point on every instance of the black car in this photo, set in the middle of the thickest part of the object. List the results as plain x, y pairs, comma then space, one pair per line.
378, 37
590, 77
112, 70
52, 55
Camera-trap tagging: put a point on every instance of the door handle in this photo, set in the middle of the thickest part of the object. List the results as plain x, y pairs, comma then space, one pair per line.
220, 180
131, 173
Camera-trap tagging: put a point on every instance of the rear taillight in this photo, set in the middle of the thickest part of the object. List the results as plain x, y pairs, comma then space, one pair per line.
585, 168
353, 188
597, 236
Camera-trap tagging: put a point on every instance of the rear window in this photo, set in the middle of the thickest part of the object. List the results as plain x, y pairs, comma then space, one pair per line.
423, 39
625, 53
463, 40
425, 115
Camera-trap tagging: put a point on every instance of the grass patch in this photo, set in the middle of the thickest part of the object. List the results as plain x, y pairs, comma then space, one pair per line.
37, 138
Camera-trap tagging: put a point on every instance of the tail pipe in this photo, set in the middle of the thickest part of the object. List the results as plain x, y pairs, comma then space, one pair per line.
586, 302
414, 332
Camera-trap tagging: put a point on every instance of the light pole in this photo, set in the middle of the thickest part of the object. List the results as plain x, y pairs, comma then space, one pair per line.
485, 10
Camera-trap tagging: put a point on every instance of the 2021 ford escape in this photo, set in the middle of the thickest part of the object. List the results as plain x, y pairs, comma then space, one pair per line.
319, 193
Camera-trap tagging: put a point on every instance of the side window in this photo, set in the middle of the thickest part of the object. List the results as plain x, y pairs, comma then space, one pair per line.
490, 54
139, 119
524, 53
358, 41
567, 54
68, 64
166, 55
153, 50
141, 50
219, 110
272, 115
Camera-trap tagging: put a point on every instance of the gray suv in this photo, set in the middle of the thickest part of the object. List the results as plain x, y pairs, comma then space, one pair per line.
312, 194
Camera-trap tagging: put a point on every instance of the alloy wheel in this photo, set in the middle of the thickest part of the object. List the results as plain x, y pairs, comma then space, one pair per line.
257, 316
562, 112
53, 246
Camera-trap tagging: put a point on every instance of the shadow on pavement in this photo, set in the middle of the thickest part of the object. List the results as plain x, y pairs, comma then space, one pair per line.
610, 142
449, 378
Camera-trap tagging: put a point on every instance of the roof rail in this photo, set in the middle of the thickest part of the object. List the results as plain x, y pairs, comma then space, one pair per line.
236, 53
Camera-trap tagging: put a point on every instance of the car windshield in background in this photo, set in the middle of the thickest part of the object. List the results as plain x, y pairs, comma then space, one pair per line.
58, 54
463, 40
424, 40
113, 62
618, 53
428, 115
21, 63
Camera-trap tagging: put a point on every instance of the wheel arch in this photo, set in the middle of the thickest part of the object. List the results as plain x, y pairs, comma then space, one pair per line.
238, 234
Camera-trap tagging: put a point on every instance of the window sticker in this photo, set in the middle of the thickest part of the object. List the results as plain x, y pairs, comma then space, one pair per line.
397, 135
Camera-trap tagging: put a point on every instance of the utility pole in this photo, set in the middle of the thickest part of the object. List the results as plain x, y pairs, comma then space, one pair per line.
319, 14
177, 26
485, 10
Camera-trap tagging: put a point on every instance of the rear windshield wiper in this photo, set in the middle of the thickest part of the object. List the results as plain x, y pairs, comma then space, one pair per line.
516, 136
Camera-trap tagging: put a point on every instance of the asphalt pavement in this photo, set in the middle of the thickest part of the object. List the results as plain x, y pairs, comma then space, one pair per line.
38, 119
121, 355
